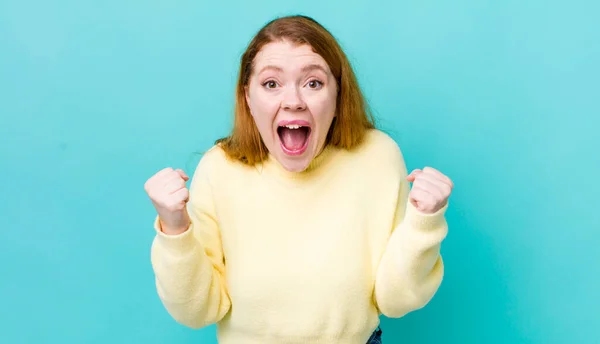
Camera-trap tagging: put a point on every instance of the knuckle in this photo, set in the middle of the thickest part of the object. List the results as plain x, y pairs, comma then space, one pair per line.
151, 193
448, 188
164, 171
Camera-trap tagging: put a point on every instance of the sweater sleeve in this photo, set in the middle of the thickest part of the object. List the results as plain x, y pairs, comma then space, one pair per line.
411, 268
189, 268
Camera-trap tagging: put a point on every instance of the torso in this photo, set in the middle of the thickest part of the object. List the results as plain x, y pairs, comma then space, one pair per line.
301, 255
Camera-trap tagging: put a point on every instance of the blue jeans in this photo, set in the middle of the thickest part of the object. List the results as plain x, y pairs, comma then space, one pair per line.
375, 337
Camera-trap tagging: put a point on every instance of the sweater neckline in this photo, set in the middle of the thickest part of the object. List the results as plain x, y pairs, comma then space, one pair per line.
318, 164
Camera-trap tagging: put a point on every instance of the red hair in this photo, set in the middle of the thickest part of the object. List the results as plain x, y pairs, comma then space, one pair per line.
352, 119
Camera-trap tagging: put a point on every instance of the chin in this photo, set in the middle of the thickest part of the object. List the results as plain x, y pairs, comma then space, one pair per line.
295, 165
294, 145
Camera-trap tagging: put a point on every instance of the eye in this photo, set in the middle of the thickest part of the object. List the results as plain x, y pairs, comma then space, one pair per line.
315, 84
269, 84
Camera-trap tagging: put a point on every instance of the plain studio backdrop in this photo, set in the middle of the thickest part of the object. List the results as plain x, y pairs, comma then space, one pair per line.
503, 97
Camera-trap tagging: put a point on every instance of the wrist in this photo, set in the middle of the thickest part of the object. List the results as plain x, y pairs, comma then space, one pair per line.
172, 240
174, 227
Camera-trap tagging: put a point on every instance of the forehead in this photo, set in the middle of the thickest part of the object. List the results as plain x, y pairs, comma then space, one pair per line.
287, 56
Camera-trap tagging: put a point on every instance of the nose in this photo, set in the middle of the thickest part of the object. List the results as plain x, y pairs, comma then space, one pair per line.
292, 100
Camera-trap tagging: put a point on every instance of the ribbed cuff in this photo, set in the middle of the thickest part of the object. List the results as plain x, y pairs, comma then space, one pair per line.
423, 221
182, 242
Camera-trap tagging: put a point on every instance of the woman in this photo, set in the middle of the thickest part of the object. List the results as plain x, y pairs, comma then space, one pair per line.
299, 227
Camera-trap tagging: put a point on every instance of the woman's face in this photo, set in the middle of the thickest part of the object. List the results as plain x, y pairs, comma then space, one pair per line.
292, 97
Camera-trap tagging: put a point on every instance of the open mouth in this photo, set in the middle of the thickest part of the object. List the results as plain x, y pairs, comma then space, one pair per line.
294, 137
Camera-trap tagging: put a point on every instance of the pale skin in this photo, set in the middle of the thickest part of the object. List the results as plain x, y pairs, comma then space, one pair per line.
290, 83
430, 189
169, 195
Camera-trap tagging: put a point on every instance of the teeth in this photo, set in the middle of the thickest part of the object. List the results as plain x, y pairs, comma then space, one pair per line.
292, 126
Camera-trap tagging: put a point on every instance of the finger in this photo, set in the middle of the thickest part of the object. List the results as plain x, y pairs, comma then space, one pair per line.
432, 171
163, 172
182, 194
173, 176
429, 202
429, 186
440, 187
158, 176
422, 199
425, 201
411, 177
174, 185
418, 191
182, 174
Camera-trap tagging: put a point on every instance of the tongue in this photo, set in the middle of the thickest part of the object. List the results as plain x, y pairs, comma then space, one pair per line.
293, 139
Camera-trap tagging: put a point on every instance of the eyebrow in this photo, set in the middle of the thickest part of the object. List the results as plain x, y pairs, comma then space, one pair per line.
275, 68
312, 67
304, 69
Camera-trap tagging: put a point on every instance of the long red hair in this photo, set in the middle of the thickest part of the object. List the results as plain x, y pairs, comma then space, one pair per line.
353, 117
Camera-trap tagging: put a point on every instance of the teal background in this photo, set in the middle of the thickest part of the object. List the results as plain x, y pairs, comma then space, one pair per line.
501, 96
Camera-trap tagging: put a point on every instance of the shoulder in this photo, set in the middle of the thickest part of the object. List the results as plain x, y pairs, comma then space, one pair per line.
381, 151
377, 140
214, 155
215, 163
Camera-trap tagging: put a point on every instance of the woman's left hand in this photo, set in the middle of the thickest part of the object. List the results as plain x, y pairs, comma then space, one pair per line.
430, 191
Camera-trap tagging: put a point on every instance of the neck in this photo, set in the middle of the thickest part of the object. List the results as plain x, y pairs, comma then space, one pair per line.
316, 164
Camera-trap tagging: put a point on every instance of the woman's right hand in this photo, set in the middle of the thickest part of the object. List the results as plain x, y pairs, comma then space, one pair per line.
169, 195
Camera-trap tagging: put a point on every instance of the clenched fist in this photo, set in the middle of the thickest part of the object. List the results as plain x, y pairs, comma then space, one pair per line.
169, 195
431, 189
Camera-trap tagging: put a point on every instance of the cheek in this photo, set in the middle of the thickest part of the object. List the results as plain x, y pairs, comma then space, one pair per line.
264, 109
268, 105
323, 106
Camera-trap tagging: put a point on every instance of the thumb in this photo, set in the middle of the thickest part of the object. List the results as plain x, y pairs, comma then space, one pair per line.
182, 174
413, 175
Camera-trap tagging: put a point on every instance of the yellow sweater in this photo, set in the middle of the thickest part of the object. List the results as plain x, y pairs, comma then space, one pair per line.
275, 257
